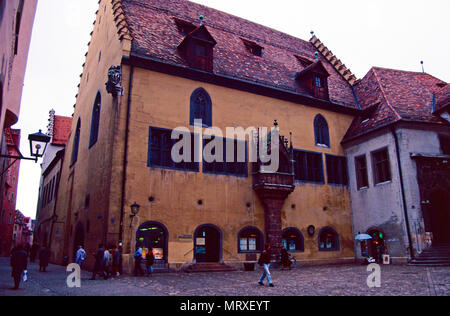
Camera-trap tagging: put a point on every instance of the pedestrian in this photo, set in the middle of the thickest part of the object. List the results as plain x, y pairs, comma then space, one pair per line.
33, 252
80, 256
285, 260
44, 257
149, 261
116, 260
99, 257
106, 264
264, 263
19, 262
137, 261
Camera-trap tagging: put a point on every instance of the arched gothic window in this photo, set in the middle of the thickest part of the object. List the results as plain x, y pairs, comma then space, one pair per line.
95, 123
201, 108
321, 131
76, 142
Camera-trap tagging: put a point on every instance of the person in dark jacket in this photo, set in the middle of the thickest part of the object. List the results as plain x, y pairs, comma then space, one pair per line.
44, 257
264, 262
137, 261
149, 261
99, 260
33, 252
116, 261
19, 261
285, 262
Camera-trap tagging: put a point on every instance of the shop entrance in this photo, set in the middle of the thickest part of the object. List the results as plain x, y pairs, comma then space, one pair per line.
440, 216
154, 235
376, 244
208, 244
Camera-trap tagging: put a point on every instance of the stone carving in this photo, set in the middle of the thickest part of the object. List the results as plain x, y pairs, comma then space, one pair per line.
114, 84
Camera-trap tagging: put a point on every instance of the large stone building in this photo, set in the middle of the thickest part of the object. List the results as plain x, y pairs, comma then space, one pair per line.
16, 22
9, 196
179, 62
398, 153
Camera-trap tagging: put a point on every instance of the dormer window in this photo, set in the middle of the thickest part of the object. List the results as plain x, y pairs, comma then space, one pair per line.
314, 79
198, 48
185, 27
253, 48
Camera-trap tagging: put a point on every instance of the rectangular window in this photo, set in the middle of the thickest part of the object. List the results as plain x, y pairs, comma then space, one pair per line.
362, 179
381, 166
337, 170
308, 166
231, 163
160, 150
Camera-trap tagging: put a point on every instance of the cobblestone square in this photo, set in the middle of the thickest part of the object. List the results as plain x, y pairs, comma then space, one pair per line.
332, 280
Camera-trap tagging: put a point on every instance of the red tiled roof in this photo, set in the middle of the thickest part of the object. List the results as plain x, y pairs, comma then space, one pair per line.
400, 95
61, 130
155, 34
443, 98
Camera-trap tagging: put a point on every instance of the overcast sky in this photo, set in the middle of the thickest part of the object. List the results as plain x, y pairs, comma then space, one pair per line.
393, 34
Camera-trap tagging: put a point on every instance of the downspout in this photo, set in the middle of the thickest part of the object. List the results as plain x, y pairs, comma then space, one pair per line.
125, 156
405, 211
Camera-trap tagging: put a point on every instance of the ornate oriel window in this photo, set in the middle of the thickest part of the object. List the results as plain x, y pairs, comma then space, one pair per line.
321, 131
95, 122
201, 107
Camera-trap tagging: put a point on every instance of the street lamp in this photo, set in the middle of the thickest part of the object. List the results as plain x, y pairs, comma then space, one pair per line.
135, 209
38, 145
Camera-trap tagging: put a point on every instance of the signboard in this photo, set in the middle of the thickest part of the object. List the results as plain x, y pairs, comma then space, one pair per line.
201, 241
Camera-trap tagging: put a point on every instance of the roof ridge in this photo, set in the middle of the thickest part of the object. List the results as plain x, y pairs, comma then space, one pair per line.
121, 22
222, 28
409, 71
333, 60
384, 95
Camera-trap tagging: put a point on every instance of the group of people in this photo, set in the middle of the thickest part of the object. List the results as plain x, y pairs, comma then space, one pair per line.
19, 260
107, 261
140, 255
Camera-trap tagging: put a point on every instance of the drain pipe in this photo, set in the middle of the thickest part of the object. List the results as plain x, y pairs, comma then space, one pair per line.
405, 211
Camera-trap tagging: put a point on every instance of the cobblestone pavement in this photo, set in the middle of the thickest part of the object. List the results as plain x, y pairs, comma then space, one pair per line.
341, 280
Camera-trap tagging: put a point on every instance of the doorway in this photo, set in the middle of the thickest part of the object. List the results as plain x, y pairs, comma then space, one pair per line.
78, 241
376, 245
208, 244
440, 216
154, 235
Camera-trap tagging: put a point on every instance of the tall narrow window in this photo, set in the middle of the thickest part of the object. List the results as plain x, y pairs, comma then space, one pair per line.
17, 28
95, 120
201, 107
362, 179
76, 142
337, 170
381, 166
321, 131
308, 166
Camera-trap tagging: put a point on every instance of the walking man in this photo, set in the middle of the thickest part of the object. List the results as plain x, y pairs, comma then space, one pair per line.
264, 262
19, 258
99, 258
44, 258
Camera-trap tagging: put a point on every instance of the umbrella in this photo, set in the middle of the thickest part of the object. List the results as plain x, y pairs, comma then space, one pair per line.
363, 237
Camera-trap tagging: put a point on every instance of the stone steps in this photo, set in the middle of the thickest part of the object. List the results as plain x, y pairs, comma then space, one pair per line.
438, 255
208, 267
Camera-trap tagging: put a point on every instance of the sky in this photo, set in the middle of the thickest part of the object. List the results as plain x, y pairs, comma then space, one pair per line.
393, 34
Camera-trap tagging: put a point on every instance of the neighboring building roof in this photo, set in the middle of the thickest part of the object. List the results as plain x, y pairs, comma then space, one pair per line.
443, 98
153, 27
61, 130
388, 96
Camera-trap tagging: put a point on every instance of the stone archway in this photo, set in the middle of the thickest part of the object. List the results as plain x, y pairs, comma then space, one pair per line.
208, 244
156, 236
78, 240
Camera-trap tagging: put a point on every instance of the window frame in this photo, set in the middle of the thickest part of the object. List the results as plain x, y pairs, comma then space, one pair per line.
76, 143
226, 165
193, 108
95, 120
259, 240
172, 165
377, 177
321, 132
306, 168
299, 236
341, 174
361, 173
337, 246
